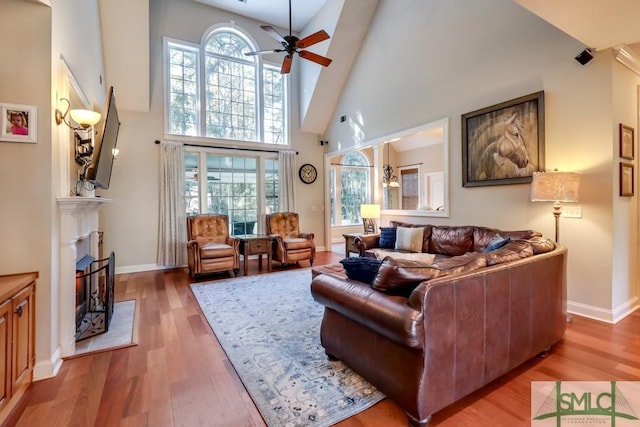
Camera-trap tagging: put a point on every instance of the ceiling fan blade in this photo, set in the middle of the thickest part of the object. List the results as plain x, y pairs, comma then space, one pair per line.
273, 33
314, 57
286, 64
260, 52
314, 38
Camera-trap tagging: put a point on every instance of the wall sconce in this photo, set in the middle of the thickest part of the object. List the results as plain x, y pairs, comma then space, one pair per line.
84, 118
555, 187
369, 214
83, 132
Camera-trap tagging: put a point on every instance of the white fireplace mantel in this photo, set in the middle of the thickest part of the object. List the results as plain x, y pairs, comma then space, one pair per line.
78, 203
78, 220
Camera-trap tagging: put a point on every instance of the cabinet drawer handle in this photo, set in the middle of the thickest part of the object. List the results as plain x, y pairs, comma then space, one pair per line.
19, 311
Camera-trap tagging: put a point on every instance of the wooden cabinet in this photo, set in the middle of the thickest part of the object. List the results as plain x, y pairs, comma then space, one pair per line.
17, 338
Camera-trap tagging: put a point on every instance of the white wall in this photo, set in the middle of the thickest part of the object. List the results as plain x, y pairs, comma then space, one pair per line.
464, 55
130, 223
625, 209
26, 217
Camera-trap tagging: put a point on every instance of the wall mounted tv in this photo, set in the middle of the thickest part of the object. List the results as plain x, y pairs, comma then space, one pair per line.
99, 172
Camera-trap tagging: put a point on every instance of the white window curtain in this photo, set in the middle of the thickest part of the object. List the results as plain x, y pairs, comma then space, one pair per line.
172, 235
286, 178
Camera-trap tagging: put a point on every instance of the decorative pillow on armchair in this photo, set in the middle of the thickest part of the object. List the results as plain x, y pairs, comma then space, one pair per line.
362, 269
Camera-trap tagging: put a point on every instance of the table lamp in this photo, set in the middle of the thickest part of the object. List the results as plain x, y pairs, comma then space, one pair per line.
369, 214
555, 187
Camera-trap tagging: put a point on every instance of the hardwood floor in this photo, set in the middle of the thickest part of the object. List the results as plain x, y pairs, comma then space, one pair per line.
178, 375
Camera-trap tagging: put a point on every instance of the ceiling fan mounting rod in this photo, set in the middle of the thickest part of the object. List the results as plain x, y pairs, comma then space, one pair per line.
290, 30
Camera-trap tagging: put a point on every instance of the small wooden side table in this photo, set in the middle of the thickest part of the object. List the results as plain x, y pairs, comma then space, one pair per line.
350, 243
255, 244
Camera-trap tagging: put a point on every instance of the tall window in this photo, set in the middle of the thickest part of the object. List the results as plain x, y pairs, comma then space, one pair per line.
350, 187
214, 90
242, 187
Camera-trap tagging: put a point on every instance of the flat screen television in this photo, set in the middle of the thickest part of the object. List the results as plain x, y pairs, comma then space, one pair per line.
99, 171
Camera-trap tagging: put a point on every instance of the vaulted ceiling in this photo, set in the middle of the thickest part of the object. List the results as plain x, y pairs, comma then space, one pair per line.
599, 24
274, 12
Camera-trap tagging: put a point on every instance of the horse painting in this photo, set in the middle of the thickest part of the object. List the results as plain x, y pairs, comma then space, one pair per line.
504, 143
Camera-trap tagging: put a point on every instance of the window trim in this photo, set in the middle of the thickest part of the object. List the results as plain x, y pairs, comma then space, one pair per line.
166, 42
337, 170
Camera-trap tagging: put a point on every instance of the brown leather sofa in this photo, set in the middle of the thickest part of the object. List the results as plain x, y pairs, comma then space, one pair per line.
479, 315
443, 239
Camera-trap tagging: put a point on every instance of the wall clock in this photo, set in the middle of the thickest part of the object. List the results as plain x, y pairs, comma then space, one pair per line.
308, 173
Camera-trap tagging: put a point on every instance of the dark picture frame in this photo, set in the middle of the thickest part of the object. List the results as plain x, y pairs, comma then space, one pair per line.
627, 181
627, 144
503, 143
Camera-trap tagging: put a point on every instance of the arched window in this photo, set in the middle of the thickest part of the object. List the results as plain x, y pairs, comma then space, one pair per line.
350, 187
243, 99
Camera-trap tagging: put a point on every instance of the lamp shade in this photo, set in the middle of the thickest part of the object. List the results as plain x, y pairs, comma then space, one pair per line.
370, 211
84, 118
555, 187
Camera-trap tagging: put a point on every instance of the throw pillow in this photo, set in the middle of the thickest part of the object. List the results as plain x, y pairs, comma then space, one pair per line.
387, 237
402, 274
512, 251
362, 269
409, 239
496, 243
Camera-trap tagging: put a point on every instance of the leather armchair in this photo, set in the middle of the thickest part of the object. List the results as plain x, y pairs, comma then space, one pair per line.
210, 248
290, 245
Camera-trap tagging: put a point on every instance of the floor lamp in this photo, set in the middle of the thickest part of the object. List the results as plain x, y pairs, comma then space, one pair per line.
555, 187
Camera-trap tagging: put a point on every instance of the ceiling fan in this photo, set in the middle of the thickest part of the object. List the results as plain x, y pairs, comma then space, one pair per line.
291, 44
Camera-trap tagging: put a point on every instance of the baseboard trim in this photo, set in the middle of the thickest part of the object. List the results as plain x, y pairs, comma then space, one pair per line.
604, 315
48, 368
152, 267
143, 267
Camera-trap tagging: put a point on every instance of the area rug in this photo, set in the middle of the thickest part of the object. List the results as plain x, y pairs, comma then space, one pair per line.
269, 327
122, 331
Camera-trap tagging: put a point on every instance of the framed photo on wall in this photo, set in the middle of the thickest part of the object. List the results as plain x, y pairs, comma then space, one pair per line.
503, 143
626, 179
18, 123
627, 146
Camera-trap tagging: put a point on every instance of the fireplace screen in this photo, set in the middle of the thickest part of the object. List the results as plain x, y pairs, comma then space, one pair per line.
94, 297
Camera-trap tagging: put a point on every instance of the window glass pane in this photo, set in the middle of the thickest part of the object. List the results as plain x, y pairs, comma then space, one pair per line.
334, 214
354, 193
232, 190
410, 188
191, 186
355, 158
353, 189
183, 91
273, 106
232, 91
229, 44
271, 185
231, 101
